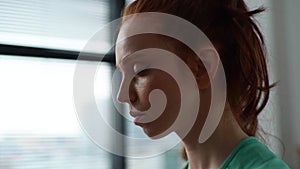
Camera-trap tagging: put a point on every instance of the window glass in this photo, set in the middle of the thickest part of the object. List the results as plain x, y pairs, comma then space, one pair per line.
38, 123
58, 24
129, 1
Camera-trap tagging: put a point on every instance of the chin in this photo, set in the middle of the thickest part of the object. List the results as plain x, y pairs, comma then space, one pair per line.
154, 133
150, 133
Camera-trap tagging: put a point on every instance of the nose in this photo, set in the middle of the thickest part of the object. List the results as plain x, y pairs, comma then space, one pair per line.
123, 93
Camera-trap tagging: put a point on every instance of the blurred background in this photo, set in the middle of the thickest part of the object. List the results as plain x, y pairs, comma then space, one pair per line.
39, 44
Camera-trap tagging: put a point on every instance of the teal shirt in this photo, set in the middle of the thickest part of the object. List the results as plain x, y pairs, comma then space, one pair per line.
251, 154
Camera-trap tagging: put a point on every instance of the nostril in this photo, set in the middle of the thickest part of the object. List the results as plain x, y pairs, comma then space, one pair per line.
121, 98
127, 96
124, 98
127, 92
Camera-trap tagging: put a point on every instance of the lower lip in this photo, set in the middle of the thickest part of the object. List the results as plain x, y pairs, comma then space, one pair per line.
137, 119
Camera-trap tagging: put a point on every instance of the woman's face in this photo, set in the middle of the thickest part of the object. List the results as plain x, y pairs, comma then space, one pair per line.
142, 81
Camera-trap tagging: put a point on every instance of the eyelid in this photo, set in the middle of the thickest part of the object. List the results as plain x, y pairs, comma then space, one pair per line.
138, 67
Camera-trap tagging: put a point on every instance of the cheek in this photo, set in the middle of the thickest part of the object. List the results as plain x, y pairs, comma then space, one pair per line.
141, 88
142, 84
156, 80
168, 85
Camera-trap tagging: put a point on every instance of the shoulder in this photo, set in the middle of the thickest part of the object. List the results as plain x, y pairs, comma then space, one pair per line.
250, 153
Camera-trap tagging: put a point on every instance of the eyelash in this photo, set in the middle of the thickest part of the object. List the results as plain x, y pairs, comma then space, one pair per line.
139, 68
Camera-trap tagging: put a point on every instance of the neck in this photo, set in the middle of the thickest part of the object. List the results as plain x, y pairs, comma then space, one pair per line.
212, 153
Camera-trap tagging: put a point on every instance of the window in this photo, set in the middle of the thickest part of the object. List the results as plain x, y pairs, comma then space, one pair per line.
129, 1
55, 24
38, 123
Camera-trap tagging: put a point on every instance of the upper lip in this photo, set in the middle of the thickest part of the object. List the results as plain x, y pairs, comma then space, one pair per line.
135, 113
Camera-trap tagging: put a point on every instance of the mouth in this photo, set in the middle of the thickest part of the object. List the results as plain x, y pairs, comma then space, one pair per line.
138, 116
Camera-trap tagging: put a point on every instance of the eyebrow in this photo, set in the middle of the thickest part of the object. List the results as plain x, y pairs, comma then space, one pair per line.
124, 59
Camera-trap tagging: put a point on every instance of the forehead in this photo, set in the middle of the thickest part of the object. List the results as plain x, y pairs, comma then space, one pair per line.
130, 45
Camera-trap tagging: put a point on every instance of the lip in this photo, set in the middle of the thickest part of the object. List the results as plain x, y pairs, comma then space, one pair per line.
137, 116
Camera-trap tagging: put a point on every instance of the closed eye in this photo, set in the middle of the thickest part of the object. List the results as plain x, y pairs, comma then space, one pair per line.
139, 68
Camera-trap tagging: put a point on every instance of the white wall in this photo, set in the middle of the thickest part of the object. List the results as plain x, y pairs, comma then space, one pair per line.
287, 49
269, 120
280, 25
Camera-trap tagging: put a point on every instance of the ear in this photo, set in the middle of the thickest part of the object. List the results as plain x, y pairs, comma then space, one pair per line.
205, 67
